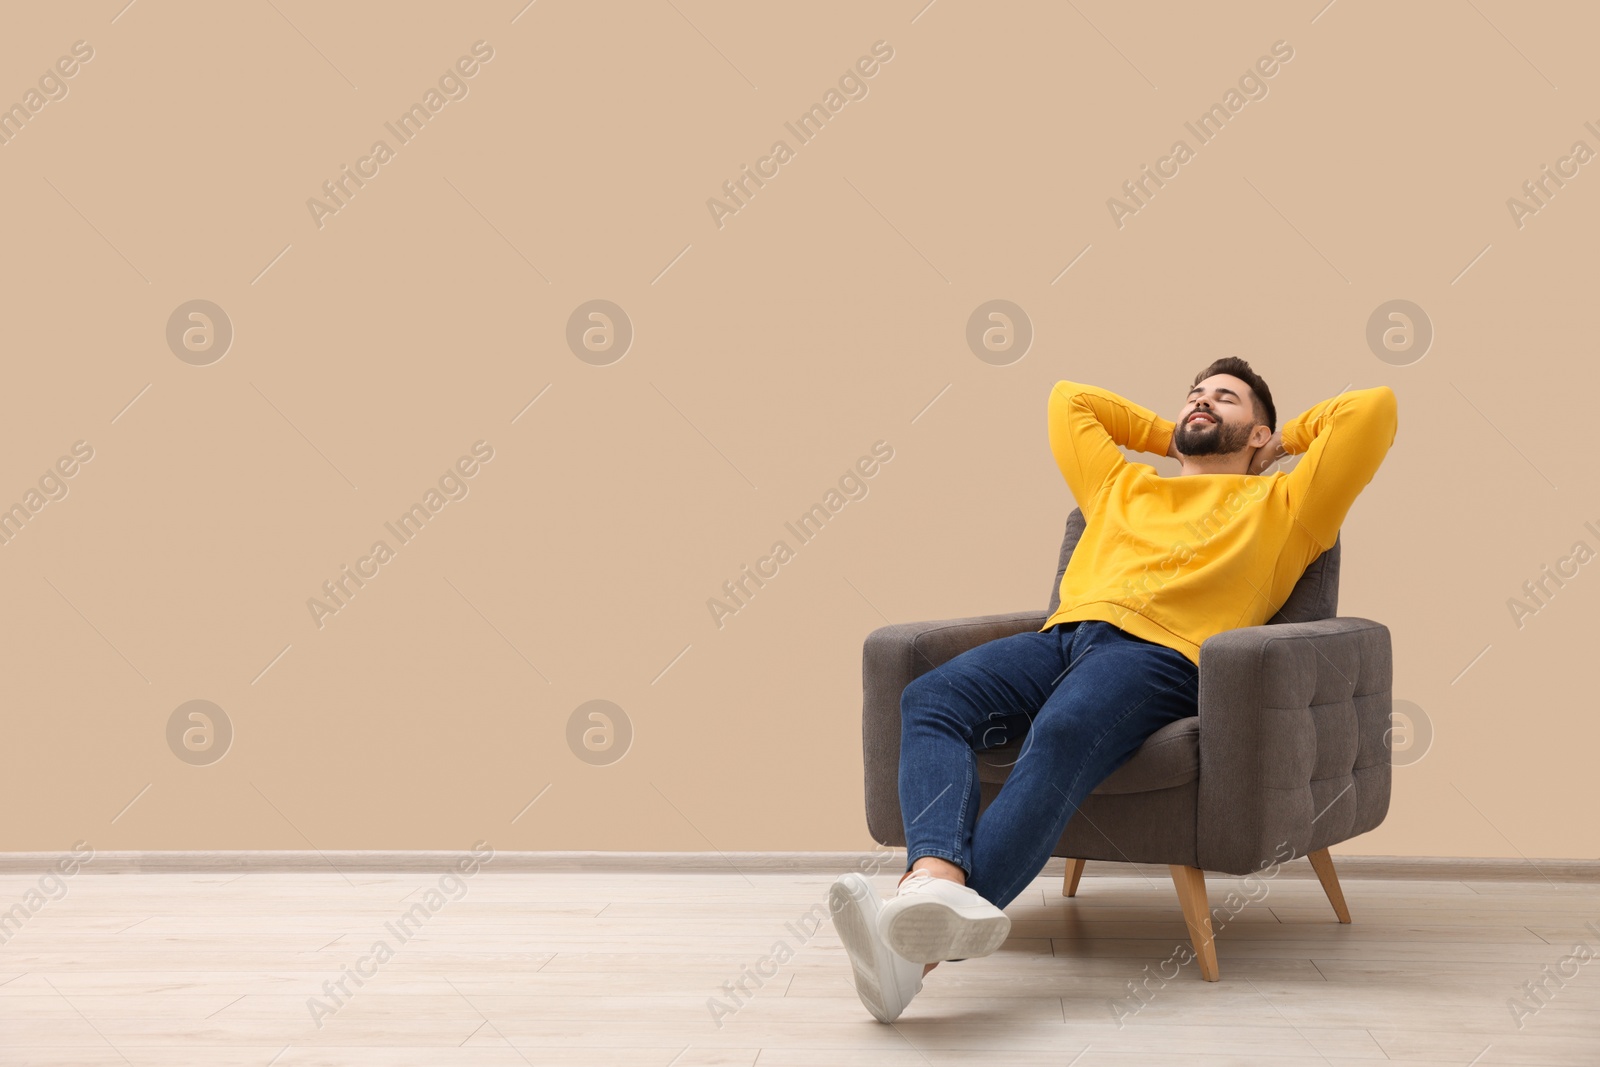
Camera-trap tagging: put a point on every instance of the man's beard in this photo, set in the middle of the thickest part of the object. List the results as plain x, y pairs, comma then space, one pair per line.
1212, 439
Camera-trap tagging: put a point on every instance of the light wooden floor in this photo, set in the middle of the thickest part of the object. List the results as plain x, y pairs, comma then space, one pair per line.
616, 969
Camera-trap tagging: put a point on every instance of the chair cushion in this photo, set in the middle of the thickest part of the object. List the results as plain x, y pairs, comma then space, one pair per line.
1168, 757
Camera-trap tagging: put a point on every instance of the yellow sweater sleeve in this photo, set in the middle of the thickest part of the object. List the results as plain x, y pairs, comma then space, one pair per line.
1088, 424
1344, 440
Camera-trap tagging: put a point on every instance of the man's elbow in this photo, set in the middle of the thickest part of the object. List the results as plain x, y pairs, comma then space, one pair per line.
1064, 390
1380, 412
1386, 409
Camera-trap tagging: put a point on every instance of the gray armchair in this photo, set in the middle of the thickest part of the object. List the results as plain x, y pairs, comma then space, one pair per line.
1288, 755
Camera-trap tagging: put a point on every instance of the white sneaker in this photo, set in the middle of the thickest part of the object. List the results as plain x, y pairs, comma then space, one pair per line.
885, 982
933, 919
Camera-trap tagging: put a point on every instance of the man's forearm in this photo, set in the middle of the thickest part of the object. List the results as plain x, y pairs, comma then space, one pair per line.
1344, 441
1088, 425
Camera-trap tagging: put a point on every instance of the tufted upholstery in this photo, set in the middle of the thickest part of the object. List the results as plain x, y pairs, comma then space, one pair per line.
1290, 745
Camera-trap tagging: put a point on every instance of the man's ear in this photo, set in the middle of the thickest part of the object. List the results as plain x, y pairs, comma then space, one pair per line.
1259, 435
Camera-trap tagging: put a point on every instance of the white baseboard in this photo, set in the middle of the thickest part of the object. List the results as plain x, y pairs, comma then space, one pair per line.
1423, 868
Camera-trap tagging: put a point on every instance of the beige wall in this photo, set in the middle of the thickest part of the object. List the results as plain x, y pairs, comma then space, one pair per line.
769, 353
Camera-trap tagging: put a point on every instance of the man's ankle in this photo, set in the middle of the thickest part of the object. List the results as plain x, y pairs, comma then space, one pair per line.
938, 868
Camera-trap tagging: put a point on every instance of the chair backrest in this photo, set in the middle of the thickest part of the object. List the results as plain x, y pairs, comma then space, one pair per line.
1315, 596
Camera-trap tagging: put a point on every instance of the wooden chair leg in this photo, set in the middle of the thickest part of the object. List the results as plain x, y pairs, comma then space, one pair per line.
1322, 863
1069, 887
1191, 883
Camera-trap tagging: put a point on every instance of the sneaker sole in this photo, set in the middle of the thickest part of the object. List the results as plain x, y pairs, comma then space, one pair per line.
855, 931
932, 932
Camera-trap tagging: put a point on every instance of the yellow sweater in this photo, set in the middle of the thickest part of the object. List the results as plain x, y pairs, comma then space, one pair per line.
1175, 560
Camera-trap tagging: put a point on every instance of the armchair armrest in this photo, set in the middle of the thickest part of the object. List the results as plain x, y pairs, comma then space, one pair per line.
1294, 739
892, 657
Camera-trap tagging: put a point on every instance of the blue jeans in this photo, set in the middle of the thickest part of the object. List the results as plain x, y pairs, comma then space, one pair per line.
1084, 694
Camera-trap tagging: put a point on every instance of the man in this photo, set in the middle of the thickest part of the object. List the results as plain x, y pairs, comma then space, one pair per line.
1162, 565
